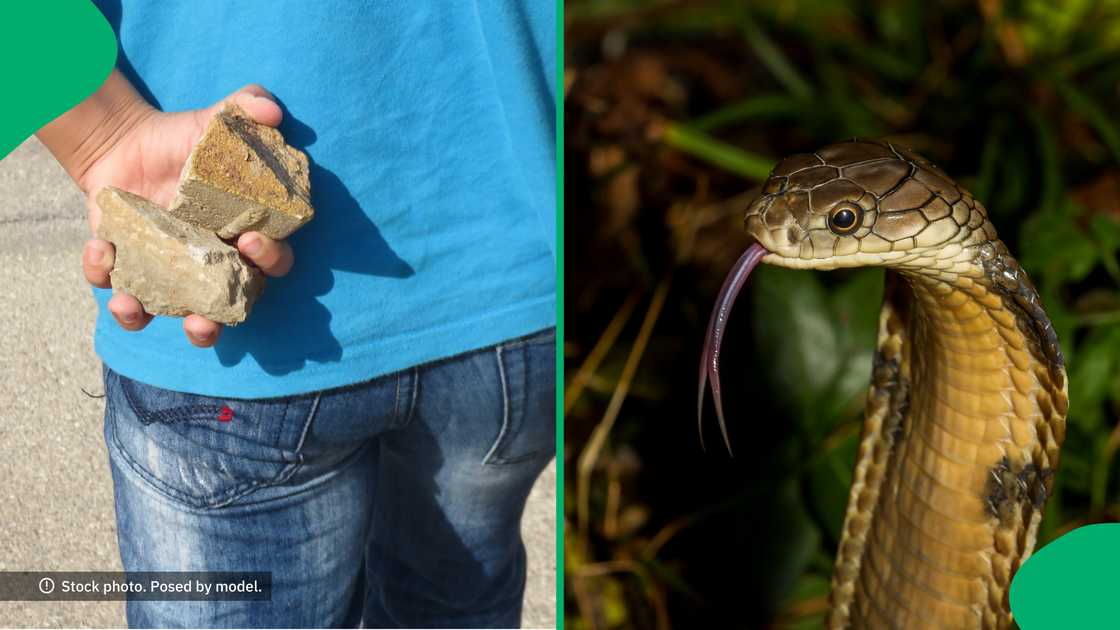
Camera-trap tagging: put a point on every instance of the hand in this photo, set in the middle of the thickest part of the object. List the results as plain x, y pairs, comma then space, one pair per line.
142, 150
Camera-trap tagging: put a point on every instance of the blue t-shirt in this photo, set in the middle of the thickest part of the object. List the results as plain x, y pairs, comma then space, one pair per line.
430, 127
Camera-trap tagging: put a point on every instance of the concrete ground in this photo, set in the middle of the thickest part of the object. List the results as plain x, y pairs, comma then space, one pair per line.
54, 476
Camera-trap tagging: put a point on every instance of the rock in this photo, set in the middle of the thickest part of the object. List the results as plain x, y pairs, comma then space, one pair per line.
172, 267
241, 176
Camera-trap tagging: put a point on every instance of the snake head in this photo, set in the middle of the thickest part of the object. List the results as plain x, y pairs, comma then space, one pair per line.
862, 203
852, 204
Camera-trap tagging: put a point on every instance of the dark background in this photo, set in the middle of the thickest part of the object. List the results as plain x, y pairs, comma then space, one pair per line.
674, 112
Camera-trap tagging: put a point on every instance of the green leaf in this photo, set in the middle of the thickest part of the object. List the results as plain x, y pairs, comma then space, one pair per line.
819, 343
1076, 466
830, 479
793, 551
1092, 376
855, 306
797, 337
1049, 158
721, 154
774, 59
809, 586
989, 159
1053, 247
1106, 231
1106, 234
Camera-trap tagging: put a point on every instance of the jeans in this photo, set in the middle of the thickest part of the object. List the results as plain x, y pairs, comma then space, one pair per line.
392, 503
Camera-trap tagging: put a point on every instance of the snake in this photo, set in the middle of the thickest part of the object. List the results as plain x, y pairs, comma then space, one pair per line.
966, 410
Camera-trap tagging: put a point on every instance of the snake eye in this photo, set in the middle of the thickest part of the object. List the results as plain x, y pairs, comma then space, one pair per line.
845, 218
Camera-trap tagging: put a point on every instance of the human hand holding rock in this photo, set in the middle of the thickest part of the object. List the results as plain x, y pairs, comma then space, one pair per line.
114, 138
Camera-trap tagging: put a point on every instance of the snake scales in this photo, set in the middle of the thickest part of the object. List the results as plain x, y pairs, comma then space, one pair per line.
967, 405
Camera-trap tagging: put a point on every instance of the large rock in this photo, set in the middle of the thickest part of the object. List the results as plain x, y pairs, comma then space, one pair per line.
172, 267
242, 176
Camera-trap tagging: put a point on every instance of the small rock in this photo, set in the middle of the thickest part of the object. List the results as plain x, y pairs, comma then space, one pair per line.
172, 267
241, 176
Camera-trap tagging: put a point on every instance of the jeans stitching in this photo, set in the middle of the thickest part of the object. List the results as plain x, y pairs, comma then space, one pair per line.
209, 503
218, 500
290, 469
543, 337
491, 455
168, 416
397, 401
524, 415
520, 458
307, 427
415, 395
278, 438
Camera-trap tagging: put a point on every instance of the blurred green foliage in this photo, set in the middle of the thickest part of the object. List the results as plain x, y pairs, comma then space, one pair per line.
674, 110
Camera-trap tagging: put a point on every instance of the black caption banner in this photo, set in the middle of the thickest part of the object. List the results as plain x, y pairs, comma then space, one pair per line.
141, 585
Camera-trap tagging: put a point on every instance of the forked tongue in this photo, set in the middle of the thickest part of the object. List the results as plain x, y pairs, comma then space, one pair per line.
709, 362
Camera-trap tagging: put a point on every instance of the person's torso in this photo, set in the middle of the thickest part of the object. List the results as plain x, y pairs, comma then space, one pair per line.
431, 131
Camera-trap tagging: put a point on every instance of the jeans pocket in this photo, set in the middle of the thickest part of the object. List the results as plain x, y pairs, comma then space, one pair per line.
527, 368
200, 451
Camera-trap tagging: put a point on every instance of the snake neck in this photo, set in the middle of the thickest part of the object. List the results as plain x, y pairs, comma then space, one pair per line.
986, 366
979, 322
984, 272
977, 416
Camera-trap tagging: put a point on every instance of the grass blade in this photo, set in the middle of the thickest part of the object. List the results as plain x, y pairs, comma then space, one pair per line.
699, 144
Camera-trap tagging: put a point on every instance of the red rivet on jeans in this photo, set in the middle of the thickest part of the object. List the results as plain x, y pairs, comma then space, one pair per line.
226, 415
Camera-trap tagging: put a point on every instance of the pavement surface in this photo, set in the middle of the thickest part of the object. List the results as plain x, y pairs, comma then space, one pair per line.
57, 511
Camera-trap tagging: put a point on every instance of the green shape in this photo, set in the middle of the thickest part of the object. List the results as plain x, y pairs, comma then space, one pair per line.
54, 55
1071, 583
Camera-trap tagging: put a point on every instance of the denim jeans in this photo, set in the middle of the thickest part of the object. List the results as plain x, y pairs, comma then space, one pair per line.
392, 503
